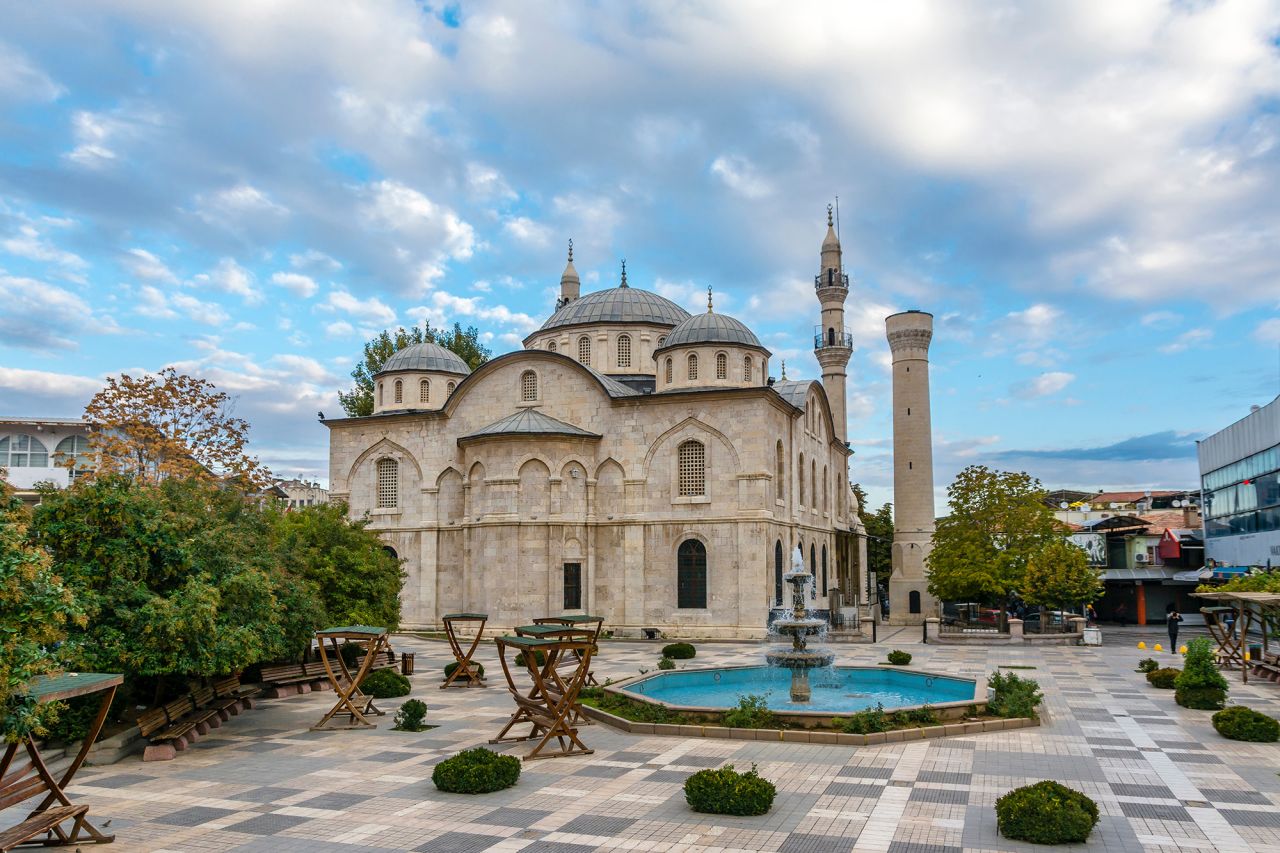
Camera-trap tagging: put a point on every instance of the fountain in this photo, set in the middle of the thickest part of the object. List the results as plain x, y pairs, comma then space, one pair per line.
799, 626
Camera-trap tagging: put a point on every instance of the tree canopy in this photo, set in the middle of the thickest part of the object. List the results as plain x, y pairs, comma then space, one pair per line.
879, 527
997, 521
1059, 576
358, 402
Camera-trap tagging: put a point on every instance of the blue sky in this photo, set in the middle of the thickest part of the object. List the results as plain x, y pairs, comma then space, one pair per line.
1083, 193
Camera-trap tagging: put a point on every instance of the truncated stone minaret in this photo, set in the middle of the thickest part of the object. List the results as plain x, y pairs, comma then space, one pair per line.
909, 335
832, 345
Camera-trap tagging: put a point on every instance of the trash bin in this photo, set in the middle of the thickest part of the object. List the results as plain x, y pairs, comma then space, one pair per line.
1255, 651
1091, 636
406, 663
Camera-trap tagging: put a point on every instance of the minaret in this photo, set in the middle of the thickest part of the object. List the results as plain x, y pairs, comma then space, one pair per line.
832, 345
909, 334
570, 284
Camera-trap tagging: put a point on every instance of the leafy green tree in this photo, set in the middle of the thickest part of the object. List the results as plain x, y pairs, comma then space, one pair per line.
36, 609
1059, 576
358, 402
879, 527
997, 520
358, 579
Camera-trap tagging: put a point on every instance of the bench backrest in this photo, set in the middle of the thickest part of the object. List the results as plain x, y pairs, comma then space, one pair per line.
152, 720
288, 670
226, 686
202, 697
179, 708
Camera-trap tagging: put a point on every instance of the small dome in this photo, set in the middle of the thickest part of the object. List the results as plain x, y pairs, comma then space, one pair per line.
426, 356
618, 305
712, 328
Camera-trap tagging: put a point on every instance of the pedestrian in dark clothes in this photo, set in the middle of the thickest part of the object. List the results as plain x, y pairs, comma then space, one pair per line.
1172, 619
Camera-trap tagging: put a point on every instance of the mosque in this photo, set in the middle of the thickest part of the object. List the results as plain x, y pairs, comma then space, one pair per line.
632, 461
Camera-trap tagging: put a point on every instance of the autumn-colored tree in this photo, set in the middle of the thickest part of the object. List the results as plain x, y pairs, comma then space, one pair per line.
166, 425
358, 402
1059, 576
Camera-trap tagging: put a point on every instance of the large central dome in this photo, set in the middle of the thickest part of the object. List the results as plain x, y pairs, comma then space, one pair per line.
618, 305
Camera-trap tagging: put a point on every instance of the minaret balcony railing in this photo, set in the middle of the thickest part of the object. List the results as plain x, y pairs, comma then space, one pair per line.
832, 339
831, 278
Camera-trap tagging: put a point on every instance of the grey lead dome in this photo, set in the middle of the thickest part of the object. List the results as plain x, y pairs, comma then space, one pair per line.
426, 356
618, 305
712, 328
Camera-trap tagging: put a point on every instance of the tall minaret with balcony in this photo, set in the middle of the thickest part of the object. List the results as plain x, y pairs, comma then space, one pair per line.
832, 345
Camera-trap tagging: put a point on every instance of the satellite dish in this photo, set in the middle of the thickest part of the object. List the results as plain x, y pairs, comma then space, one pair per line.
1177, 504
1087, 507
1063, 505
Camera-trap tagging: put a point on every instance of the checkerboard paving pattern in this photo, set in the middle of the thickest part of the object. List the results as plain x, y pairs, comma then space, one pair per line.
1163, 779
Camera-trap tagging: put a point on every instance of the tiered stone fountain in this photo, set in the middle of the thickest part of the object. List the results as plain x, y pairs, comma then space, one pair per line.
798, 627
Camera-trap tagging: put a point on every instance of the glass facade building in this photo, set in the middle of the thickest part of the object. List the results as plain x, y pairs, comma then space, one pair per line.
1240, 486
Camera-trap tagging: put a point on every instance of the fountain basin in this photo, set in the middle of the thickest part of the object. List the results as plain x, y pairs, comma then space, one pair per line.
835, 691
807, 659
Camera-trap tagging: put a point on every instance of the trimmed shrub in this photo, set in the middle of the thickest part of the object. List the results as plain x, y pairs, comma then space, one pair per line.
410, 716
539, 658
1163, 678
865, 722
476, 771
1241, 723
451, 668
752, 713
1147, 665
1046, 813
666, 663
1012, 696
385, 684
679, 651
726, 791
899, 658
922, 716
1200, 685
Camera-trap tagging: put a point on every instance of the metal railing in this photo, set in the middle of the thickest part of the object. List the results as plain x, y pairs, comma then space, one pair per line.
832, 339
969, 628
831, 278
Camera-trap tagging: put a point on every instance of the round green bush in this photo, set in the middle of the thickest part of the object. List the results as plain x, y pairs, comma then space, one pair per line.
666, 663
451, 668
679, 651
1201, 685
539, 658
899, 658
1147, 665
385, 684
1241, 723
476, 771
1163, 678
726, 791
1046, 813
1200, 698
410, 716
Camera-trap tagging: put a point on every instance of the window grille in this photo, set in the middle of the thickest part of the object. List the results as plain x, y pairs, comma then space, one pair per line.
23, 451
747, 368
781, 466
668, 370
424, 391
584, 349
399, 391
662, 341
528, 386
572, 586
624, 350
722, 366
692, 458
551, 345
693, 366
448, 391
691, 575
388, 484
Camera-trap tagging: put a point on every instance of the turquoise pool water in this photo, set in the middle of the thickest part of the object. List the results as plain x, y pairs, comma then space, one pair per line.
835, 689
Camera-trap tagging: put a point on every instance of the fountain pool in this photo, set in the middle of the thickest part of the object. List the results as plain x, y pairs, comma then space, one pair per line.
833, 690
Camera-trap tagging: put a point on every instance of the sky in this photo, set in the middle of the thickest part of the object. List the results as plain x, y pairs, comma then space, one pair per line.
1083, 194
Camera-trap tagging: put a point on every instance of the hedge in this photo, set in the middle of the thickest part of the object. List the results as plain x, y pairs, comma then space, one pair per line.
1241, 723
385, 684
899, 658
679, 651
1163, 678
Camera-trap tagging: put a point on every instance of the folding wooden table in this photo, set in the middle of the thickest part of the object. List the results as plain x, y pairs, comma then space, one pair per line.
33, 778
465, 668
1230, 642
356, 704
593, 624
547, 707
555, 682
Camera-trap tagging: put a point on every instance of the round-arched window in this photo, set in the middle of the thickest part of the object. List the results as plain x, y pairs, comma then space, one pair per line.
528, 386
624, 350
693, 366
691, 575
584, 350
722, 366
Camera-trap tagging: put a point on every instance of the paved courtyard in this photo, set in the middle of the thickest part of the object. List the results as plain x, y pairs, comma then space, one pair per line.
1164, 780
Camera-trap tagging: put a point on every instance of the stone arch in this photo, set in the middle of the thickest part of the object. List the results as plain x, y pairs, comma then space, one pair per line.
695, 425
449, 505
610, 497
573, 490
535, 489
476, 493
385, 447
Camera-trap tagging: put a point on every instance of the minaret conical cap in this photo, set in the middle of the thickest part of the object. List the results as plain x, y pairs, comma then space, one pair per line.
570, 273
831, 241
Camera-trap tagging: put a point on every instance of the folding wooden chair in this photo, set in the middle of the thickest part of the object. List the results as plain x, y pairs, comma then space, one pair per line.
351, 702
545, 707
593, 624
1230, 643
465, 668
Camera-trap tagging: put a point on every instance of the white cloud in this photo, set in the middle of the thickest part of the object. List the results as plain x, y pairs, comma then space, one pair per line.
1268, 331
340, 329
302, 286
21, 80
147, 266
446, 308
740, 175
47, 384
396, 207
41, 316
91, 131
1043, 385
29, 242
1186, 340
487, 182
155, 303
238, 206
1161, 319
229, 277
527, 230
372, 310
314, 259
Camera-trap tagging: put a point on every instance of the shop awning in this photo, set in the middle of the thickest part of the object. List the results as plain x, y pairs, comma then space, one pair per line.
1145, 573
1194, 575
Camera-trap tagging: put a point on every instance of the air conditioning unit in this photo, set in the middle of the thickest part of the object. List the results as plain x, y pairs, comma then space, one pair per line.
1140, 558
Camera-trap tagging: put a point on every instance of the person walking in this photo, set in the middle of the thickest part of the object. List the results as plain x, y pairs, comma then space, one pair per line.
1172, 619
1091, 615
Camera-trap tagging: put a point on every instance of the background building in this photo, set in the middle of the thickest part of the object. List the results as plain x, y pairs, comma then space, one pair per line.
1240, 483
42, 450
300, 493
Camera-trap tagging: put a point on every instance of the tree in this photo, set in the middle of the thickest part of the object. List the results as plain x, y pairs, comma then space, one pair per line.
36, 609
358, 402
879, 529
169, 425
1059, 577
997, 520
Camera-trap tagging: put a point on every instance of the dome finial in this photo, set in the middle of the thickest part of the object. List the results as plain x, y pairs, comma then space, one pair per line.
570, 250
624, 273
830, 221
784, 368
708, 299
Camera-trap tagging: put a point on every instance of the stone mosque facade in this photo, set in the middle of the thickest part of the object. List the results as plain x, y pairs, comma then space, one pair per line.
632, 461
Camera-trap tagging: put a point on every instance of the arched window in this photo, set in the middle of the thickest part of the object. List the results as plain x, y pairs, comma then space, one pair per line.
388, 486
668, 370
424, 391
23, 451
779, 474
379, 394
800, 481
748, 368
831, 337
691, 575
692, 464
448, 390
73, 452
528, 386
399, 386
824, 569
777, 573
813, 570
584, 349
624, 350
913, 601
813, 482
551, 345
693, 365
825, 491
722, 366
662, 341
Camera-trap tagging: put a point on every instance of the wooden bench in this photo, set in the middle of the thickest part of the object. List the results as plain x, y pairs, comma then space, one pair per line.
172, 726
1265, 669
48, 822
230, 696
